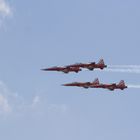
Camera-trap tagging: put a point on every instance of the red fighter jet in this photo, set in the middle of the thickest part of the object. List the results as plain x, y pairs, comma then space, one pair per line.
84, 85
112, 86
63, 69
90, 66
121, 85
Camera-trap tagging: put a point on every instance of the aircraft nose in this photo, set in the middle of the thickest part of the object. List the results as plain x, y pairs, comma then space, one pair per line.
63, 85
43, 69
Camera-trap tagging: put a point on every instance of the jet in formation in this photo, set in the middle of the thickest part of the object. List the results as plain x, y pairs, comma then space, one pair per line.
77, 67
91, 66
96, 84
121, 85
84, 84
63, 69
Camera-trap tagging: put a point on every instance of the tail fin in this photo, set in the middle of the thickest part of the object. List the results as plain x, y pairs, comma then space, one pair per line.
121, 83
101, 61
96, 81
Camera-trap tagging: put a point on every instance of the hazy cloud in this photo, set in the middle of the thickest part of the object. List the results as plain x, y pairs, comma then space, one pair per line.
14, 103
36, 100
57, 108
5, 9
4, 105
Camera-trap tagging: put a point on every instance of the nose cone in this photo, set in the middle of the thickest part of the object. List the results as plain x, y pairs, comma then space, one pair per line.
65, 85
44, 69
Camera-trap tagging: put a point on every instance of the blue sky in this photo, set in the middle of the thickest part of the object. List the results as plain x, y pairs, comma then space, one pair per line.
37, 34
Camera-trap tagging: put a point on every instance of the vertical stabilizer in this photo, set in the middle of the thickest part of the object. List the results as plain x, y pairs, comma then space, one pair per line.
96, 81
101, 61
121, 83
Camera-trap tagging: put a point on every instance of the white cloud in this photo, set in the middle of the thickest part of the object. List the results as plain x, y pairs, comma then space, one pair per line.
14, 103
4, 105
36, 100
5, 9
57, 108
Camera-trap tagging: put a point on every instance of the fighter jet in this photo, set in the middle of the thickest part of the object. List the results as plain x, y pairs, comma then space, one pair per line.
83, 65
91, 65
121, 85
96, 84
101, 65
84, 85
63, 69
111, 87
78, 84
